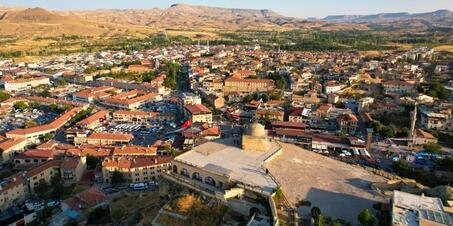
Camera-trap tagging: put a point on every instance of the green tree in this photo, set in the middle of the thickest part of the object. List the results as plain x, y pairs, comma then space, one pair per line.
21, 105
42, 188
61, 82
264, 97
315, 212
4, 96
117, 177
319, 221
92, 161
48, 136
247, 98
100, 215
30, 123
58, 190
45, 93
366, 218
432, 147
446, 164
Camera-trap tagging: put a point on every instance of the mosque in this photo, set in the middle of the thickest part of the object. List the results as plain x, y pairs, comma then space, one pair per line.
230, 169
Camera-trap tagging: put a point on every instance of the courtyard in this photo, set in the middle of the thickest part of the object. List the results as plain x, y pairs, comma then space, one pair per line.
340, 190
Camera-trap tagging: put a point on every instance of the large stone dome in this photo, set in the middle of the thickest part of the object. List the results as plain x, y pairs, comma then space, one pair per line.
257, 130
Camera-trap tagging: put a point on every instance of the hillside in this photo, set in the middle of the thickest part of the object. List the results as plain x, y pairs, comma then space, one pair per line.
40, 22
32, 15
436, 19
182, 16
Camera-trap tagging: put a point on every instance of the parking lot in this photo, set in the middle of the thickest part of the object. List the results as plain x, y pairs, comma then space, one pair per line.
144, 134
18, 118
133, 187
159, 107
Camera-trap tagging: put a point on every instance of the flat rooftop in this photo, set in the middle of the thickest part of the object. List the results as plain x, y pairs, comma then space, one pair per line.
324, 182
223, 157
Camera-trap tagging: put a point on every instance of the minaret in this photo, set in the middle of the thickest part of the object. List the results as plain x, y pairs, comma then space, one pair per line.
412, 133
207, 45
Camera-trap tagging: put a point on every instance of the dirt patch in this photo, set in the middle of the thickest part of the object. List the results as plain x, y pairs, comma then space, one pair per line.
324, 182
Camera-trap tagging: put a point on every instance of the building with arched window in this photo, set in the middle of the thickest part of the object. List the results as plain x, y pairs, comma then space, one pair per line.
220, 166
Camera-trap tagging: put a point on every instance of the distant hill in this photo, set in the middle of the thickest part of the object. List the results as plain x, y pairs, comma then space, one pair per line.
40, 22
439, 18
33, 15
183, 16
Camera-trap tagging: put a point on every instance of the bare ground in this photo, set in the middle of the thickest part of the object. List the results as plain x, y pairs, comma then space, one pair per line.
340, 190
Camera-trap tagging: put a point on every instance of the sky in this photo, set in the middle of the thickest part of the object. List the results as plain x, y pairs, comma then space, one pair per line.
295, 8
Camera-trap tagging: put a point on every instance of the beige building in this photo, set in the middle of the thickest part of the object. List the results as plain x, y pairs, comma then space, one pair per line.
34, 134
134, 116
130, 100
12, 188
136, 168
11, 147
103, 138
233, 84
21, 84
72, 169
198, 113
397, 87
276, 115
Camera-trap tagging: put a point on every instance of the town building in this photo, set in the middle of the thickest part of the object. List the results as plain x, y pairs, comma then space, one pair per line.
34, 134
9, 147
103, 138
198, 113
239, 85
398, 87
20, 84
136, 168
416, 210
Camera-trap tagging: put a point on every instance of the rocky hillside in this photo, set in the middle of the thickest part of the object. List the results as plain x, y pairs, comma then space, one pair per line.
182, 16
439, 19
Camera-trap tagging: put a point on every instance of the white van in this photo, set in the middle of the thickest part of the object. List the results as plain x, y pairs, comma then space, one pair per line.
139, 186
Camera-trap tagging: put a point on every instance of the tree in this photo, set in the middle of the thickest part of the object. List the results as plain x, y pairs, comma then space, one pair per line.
315, 211
48, 136
366, 218
21, 105
4, 95
264, 97
248, 98
432, 147
61, 82
45, 93
446, 164
30, 123
100, 215
317, 216
117, 177
319, 221
92, 161
57, 188
42, 188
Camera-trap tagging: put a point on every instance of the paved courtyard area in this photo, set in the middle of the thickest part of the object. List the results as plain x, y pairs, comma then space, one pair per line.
340, 190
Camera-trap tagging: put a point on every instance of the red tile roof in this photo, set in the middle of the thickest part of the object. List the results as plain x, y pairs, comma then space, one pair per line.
112, 136
197, 109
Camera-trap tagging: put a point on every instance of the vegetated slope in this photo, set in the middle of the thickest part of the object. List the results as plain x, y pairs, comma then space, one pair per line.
182, 16
40, 22
439, 19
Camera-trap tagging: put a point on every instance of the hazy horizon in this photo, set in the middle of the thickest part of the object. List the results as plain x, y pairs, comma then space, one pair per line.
294, 8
